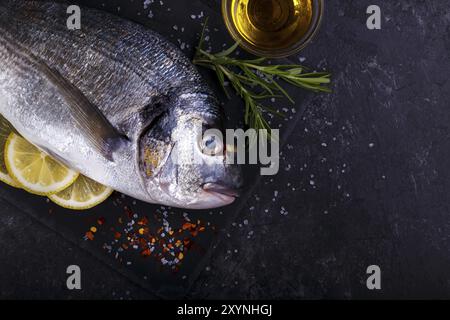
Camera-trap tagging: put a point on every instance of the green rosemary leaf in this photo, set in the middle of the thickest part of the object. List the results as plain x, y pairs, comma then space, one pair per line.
254, 81
229, 51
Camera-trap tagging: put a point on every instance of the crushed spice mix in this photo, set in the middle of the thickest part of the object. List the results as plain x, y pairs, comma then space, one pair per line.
149, 237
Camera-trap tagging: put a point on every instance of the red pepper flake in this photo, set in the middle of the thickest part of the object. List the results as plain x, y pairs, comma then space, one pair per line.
128, 212
101, 221
143, 221
90, 235
117, 235
146, 253
188, 225
142, 243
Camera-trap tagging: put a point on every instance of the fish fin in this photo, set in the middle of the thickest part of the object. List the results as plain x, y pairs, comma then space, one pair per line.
100, 132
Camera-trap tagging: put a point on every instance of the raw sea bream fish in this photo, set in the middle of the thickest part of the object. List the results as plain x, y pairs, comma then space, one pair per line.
114, 101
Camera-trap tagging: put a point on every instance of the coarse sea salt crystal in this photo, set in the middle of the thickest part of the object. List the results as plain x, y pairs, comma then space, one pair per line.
147, 3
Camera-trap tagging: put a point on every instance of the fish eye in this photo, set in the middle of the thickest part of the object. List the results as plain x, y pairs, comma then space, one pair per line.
211, 144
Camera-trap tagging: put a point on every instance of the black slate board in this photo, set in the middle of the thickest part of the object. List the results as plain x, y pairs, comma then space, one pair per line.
181, 23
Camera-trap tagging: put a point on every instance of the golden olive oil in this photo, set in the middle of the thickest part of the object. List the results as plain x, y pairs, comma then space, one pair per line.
272, 24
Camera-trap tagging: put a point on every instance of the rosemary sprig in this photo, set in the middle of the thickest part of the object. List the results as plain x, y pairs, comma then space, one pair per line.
253, 80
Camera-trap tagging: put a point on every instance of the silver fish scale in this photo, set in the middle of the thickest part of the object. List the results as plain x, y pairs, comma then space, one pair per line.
120, 66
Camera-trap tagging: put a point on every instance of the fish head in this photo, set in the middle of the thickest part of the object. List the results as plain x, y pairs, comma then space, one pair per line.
184, 156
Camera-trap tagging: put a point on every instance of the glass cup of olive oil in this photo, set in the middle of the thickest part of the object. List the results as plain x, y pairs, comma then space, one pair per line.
273, 28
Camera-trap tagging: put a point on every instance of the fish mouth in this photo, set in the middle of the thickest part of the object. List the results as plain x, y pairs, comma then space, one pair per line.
224, 195
221, 189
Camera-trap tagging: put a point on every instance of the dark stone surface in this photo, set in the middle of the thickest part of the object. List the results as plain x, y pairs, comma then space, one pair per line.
363, 180
35, 259
369, 165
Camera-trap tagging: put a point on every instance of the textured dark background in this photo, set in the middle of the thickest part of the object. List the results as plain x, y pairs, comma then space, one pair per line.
364, 177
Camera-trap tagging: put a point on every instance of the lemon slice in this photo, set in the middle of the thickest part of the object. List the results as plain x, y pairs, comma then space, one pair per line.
5, 130
83, 194
34, 170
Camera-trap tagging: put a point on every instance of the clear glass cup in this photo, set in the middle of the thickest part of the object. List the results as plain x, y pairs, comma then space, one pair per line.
273, 28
